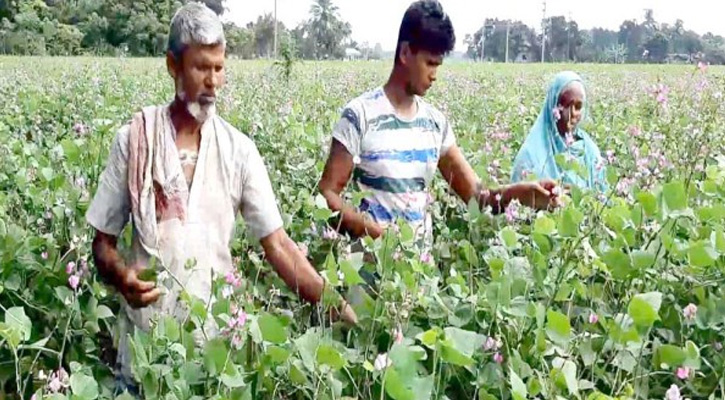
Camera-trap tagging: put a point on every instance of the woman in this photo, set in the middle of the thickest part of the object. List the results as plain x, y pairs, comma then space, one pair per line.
556, 132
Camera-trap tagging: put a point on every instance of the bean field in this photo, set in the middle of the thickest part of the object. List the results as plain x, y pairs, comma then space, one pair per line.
613, 296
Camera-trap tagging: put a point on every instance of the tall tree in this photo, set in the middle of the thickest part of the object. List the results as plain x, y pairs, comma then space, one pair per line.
327, 29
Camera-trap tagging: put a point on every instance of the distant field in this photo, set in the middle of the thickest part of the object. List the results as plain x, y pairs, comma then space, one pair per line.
589, 299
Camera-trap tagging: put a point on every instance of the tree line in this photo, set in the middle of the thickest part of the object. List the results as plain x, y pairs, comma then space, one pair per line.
140, 28
647, 41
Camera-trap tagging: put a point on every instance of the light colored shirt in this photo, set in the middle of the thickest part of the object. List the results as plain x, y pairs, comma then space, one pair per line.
395, 158
230, 176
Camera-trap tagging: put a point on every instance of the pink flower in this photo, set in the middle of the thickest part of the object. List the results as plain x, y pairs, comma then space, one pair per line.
702, 66
44, 255
610, 156
329, 234
237, 341
683, 372
426, 258
593, 318
634, 131
74, 281
398, 335
233, 279
492, 343
661, 92
498, 358
512, 211
58, 381
70, 267
54, 385
690, 311
79, 128
397, 255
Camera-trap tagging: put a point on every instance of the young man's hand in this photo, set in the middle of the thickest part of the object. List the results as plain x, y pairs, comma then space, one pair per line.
347, 315
542, 195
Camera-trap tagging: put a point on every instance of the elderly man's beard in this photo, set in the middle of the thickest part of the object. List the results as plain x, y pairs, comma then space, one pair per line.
201, 109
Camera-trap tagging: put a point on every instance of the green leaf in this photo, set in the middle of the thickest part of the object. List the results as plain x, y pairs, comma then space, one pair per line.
544, 226
235, 379
404, 361
509, 237
170, 328
672, 356
148, 275
272, 329
16, 319
396, 387
675, 196
277, 355
702, 255
84, 386
428, 338
464, 341
692, 353
518, 388
648, 202
718, 239
644, 309
328, 355
558, 328
642, 259
459, 346
352, 277
104, 312
321, 202
47, 174
569, 371
587, 353
215, 356
619, 263
570, 221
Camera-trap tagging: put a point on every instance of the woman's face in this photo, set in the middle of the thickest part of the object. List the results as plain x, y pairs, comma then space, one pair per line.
571, 104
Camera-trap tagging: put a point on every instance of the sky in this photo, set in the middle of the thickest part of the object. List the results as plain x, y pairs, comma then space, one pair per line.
377, 21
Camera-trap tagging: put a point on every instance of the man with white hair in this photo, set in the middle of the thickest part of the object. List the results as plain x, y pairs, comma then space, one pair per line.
181, 173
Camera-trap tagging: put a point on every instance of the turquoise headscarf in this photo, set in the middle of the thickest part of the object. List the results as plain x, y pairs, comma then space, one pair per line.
537, 155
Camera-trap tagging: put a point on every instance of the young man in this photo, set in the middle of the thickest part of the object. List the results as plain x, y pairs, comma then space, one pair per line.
392, 141
183, 173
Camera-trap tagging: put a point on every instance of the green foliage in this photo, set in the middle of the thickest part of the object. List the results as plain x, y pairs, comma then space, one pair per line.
605, 298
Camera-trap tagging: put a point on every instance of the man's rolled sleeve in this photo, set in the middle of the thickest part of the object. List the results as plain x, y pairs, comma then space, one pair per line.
258, 202
110, 208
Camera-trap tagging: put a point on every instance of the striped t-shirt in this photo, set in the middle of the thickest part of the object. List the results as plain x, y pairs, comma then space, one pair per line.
395, 158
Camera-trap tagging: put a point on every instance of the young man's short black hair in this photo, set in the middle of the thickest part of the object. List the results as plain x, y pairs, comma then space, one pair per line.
426, 27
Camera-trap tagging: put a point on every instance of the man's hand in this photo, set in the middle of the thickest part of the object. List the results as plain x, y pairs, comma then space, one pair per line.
113, 271
138, 293
347, 315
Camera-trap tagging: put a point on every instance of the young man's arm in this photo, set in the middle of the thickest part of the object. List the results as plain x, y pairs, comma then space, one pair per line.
463, 180
337, 172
